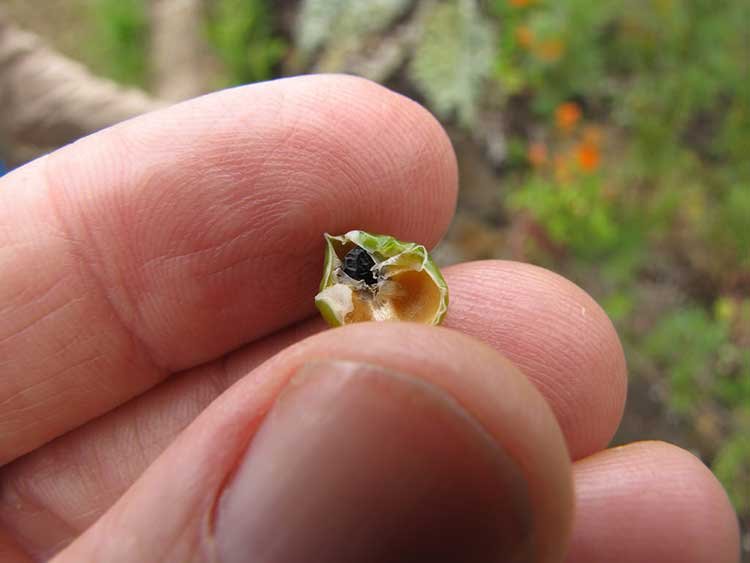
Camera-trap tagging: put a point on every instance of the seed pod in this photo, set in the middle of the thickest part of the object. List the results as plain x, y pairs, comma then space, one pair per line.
378, 278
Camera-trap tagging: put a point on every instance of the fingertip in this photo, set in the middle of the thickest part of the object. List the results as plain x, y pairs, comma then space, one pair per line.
483, 382
559, 337
400, 472
404, 137
651, 501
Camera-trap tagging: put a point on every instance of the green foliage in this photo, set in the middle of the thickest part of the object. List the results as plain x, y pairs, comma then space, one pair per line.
669, 80
690, 346
671, 77
730, 222
242, 34
121, 29
732, 467
707, 371
551, 49
665, 83
454, 59
574, 213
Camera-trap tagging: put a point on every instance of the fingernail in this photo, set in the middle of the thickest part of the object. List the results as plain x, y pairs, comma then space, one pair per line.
355, 463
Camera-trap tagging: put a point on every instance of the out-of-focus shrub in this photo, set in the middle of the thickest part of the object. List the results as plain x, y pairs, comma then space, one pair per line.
243, 38
664, 181
121, 42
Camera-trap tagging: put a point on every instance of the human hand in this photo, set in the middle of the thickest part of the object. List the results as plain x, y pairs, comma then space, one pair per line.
162, 397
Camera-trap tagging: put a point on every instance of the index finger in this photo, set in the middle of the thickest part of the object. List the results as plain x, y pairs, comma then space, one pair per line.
171, 239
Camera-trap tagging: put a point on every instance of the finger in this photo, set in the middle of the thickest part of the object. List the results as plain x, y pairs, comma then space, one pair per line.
651, 501
558, 336
170, 239
527, 313
424, 445
10, 551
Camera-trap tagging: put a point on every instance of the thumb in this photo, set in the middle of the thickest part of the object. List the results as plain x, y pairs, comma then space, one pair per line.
354, 461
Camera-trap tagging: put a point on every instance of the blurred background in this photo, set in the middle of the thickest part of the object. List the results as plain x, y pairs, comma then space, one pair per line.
606, 140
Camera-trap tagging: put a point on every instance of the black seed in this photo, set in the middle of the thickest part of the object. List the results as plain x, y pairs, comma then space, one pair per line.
358, 264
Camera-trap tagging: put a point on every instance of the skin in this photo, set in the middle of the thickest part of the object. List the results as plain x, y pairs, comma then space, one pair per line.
157, 301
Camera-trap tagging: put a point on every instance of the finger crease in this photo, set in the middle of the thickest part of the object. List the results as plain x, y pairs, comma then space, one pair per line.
83, 258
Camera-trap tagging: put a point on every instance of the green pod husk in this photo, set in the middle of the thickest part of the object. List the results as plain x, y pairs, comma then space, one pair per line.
407, 286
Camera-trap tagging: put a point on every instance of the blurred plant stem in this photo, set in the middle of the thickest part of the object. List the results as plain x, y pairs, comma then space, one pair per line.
176, 48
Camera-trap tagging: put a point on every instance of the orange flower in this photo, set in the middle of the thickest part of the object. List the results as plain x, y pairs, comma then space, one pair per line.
537, 154
550, 50
567, 115
520, 3
588, 156
524, 36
